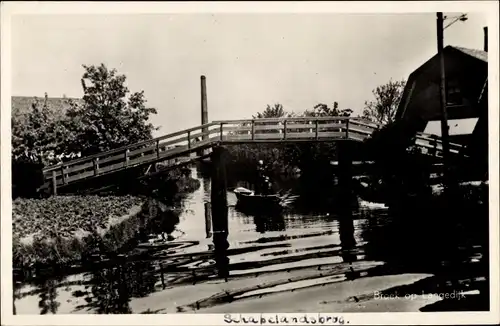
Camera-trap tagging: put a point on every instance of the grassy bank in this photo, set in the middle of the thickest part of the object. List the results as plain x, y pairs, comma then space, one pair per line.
65, 229
59, 230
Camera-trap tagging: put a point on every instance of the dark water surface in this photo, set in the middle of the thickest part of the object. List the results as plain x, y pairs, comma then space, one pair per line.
369, 243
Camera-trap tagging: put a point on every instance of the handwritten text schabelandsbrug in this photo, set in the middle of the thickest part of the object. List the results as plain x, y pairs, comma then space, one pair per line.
284, 319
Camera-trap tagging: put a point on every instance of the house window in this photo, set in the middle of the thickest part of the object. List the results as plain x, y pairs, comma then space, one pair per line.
453, 93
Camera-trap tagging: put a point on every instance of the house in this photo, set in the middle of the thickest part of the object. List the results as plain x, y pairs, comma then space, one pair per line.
21, 105
466, 73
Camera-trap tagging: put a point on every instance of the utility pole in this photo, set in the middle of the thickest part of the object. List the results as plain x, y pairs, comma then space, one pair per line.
442, 93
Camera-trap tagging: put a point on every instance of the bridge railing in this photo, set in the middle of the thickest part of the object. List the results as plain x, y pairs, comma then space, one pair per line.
188, 141
132, 155
282, 129
433, 145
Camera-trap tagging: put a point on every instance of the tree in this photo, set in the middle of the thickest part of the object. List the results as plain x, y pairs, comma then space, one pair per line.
323, 110
108, 118
275, 111
387, 97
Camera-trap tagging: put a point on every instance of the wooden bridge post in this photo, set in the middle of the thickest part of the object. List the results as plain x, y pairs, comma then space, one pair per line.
127, 158
63, 174
253, 129
218, 189
219, 210
347, 129
208, 220
96, 166
345, 173
54, 183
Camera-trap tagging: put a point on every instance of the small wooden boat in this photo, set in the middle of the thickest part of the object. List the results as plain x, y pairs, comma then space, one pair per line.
363, 204
248, 198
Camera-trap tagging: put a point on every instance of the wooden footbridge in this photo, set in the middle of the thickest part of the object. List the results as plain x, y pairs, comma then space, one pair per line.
196, 143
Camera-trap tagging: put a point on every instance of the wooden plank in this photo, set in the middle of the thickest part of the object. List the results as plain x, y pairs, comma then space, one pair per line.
364, 123
291, 126
182, 139
358, 137
79, 167
332, 134
48, 174
143, 159
112, 167
81, 176
269, 136
144, 150
207, 133
238, 128
268, 127
238, 137
332, 126
360, 130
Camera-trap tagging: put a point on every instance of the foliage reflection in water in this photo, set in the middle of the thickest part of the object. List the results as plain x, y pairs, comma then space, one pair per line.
303, 244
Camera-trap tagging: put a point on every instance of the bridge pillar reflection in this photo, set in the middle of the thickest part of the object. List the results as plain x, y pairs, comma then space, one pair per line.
218, 196
345, 173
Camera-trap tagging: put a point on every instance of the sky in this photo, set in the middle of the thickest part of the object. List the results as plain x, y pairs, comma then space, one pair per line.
249, 60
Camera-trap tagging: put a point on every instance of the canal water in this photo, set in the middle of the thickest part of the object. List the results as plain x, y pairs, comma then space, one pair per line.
285, 258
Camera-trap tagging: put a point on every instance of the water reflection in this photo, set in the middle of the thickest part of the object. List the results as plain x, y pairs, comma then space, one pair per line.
112, 285
339, 245
220, 254
269, 222
48, 296
347, 240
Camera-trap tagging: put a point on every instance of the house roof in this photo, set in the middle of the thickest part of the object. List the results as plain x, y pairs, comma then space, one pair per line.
22, 104
478, 54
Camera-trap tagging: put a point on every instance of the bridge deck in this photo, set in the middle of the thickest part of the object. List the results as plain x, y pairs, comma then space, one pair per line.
194, 140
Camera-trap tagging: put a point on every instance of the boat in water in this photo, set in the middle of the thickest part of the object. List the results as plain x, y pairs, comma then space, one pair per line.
248, 199
363, 204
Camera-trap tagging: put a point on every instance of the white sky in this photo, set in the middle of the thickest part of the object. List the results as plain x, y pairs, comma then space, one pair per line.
250, 60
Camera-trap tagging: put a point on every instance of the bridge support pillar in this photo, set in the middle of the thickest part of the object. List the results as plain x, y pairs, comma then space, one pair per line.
218, 196
345, 173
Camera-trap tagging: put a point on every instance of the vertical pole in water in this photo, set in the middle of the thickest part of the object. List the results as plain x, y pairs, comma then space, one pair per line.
346, 226
219, 210
345, 173
162, 277
208, 220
